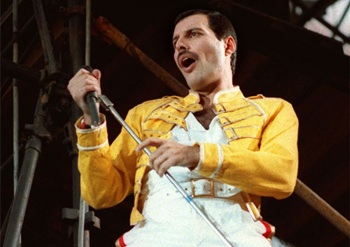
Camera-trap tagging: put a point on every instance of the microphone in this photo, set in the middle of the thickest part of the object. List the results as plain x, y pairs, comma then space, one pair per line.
91, 100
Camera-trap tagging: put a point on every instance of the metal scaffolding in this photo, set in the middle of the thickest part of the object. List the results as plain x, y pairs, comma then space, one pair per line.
79, 18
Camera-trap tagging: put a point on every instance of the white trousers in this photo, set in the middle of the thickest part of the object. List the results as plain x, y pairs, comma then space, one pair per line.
170, 221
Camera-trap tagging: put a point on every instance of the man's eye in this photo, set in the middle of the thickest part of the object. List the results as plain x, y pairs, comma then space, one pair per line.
193, 34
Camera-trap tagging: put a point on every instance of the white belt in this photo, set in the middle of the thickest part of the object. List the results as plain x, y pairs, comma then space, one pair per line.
206, 187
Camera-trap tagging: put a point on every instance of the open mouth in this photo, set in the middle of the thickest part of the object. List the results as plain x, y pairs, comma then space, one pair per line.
186, 59
186, 62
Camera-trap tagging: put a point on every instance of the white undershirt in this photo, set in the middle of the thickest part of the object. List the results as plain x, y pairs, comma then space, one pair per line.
197, 133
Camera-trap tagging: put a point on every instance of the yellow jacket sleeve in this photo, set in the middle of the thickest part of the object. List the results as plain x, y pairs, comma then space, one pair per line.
107, 171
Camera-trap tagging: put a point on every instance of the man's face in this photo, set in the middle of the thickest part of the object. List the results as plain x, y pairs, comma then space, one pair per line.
199, 55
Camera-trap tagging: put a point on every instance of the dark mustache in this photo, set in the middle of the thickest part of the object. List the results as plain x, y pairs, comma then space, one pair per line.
188, 53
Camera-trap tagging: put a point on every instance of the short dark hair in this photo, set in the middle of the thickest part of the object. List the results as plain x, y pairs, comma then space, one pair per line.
219, 23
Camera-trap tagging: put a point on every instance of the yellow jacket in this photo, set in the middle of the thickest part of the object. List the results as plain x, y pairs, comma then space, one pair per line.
261, 157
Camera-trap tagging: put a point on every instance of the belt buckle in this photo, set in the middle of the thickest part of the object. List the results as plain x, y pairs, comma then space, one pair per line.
211, 193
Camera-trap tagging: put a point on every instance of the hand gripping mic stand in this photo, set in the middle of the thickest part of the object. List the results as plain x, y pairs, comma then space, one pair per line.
108, 105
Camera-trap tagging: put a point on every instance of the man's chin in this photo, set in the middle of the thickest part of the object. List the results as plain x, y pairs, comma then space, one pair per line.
196, 87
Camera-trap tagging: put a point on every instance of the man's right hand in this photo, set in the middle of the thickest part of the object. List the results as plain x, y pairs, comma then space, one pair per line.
82, 83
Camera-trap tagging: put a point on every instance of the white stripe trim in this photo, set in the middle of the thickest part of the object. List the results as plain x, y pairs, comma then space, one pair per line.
220, 161
201, 157
93, 129
81, 148
258, 107
218, 94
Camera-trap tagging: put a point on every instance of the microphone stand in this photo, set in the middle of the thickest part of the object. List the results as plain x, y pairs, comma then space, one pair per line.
108, 105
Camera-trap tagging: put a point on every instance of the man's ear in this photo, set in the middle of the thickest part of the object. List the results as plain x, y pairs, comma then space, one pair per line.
230, 45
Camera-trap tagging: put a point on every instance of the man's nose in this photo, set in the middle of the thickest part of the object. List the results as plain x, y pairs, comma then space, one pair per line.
181, 45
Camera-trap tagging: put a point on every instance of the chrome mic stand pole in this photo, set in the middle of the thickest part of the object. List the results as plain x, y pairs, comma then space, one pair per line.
109, 107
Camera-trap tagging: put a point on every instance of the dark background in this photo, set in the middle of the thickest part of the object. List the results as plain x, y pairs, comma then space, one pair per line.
276, 57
